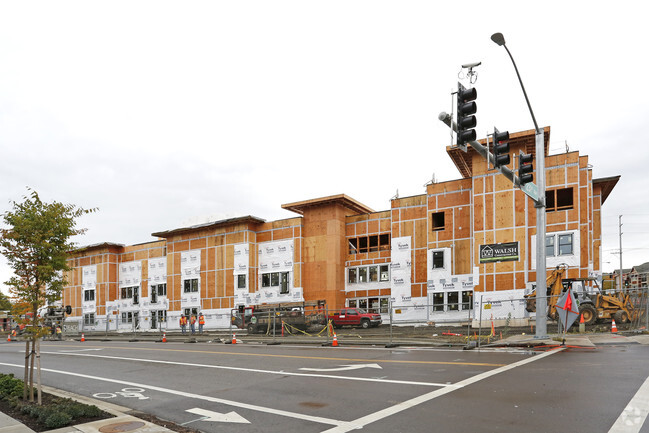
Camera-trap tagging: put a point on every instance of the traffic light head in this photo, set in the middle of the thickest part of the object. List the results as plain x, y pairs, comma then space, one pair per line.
525, 168
466, 108
501, 148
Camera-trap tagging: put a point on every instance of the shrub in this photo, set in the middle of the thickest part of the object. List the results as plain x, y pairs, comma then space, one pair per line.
10, 387
60, 412
57, 419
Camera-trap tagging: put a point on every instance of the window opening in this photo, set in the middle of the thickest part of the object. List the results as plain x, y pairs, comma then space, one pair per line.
549, 246
467, 300
438, 301
352, 275
385, 273
565, 244
374, 243
283, 289
559, 199
438, 259
452, 300
362, 245
362, 275
353, 246
374, 274
191, 286
438, 221
384, 242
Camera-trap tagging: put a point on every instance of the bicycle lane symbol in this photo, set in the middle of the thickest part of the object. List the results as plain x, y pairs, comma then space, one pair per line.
125, 392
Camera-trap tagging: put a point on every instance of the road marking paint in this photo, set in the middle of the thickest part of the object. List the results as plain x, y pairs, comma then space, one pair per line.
635, 413
271, 355
209, 415
343, 367
392, 410
255, 370
179, 393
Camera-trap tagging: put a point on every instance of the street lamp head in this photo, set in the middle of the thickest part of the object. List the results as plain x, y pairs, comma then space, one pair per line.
498, 38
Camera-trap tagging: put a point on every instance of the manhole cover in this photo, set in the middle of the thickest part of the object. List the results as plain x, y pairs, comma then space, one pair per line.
121, 427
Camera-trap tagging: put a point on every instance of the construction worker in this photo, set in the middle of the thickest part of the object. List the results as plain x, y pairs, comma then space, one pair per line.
58, 332
192, 324
183, 323
201, 322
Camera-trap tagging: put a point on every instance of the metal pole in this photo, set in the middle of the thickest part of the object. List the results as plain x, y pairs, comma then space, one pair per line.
541, 302
480, 323
274, 313
390, 304
621, 287
541, 292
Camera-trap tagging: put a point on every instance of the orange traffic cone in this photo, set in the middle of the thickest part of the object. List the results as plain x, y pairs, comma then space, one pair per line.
234, 338
164, 337
335, 342
613, 327
9, 337
83, 337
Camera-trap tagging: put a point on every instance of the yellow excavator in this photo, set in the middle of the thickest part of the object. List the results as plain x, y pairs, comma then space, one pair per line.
592, 306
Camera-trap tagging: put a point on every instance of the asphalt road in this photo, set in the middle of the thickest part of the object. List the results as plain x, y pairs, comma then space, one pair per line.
260, 388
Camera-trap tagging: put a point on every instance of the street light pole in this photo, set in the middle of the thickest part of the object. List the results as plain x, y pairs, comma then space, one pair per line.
541, 285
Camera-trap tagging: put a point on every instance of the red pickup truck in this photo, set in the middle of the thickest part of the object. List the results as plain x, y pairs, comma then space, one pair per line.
355, 317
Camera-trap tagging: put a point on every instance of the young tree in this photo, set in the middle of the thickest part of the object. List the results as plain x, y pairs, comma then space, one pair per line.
5, 303
36, 241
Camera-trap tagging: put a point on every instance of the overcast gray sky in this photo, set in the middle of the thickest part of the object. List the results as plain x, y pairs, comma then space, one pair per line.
166, 114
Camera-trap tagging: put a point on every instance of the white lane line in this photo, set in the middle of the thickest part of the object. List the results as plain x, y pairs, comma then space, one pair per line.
179, 393
254, 370
376, 416
635, 413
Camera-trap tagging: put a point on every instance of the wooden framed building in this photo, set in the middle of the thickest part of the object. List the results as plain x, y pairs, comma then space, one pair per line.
434, 250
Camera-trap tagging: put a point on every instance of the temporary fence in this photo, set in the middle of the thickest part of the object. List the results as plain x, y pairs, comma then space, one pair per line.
485, 317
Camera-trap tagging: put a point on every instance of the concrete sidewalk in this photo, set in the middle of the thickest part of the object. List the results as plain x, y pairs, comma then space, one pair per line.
121, 422
576, 340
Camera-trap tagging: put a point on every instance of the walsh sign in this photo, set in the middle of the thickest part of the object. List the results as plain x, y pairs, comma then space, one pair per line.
499, 252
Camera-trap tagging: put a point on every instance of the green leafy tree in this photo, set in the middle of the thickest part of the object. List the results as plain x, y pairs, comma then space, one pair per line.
36, 241
5, 303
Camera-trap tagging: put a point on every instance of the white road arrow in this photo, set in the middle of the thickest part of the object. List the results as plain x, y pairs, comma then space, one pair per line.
344, 367
209, 415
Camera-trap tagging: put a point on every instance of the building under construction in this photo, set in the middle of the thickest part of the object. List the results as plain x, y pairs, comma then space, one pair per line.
431, 251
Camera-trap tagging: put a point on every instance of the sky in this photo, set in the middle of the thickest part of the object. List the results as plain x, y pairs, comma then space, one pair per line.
165, 114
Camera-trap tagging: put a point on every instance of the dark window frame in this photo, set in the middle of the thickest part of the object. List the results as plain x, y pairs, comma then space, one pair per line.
438, 221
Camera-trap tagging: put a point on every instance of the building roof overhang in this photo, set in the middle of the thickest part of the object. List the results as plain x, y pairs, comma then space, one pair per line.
606, 184
464, 160
340, 199
210, 225
97, 247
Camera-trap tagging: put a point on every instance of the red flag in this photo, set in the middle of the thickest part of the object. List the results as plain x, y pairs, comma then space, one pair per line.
568, 306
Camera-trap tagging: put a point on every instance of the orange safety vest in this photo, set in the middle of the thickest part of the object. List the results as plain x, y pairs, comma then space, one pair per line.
193, 319
201, 320
183, 321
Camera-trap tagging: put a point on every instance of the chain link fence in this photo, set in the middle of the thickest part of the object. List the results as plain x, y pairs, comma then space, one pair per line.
481, 316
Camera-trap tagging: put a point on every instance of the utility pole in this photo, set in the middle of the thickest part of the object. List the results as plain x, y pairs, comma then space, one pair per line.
621, 286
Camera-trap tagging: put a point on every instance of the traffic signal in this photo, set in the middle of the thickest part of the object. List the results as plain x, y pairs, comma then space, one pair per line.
525, 168
466, 108
501, 148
